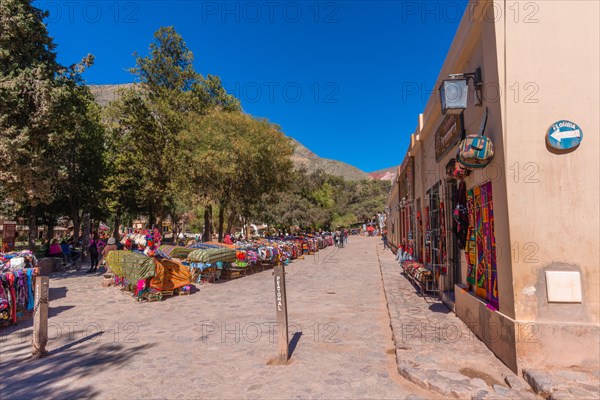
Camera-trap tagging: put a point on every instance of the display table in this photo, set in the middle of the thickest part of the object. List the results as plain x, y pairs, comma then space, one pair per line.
419, 275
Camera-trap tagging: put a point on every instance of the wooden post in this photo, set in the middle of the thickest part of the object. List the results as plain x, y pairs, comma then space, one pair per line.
40, 317
281, 311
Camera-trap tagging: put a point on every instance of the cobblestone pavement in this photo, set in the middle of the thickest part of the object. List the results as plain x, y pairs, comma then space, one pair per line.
218, 342
436, 350
576, 383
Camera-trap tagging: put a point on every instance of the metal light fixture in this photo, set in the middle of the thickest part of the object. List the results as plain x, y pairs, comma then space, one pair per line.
454, 92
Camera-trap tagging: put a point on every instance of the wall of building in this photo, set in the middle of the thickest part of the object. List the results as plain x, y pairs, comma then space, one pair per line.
393, 218
551, 54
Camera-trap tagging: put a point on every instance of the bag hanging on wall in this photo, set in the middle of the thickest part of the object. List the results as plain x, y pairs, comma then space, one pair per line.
476, 151
455, 169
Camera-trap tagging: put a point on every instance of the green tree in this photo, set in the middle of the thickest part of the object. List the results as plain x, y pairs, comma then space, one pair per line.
32, 92
146, 124
78, 154
232, 160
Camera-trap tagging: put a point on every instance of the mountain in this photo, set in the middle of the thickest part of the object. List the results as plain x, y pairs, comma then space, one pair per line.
302, 156
386, 174
312, 162
104, 94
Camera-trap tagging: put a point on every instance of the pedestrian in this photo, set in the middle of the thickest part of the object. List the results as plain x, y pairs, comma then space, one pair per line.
94, 253
55, 250
110, 246
346, 236
341, 237
385, 240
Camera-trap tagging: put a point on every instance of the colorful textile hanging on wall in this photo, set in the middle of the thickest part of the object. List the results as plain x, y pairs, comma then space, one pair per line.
470, 250
481, 244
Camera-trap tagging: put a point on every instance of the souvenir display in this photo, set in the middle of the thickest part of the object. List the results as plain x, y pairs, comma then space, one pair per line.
481, 244
152, 271
17, 281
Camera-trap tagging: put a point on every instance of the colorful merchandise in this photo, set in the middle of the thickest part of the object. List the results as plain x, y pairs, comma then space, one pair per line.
481, 245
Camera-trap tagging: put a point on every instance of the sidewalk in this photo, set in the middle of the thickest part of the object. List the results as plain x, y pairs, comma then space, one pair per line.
437, 351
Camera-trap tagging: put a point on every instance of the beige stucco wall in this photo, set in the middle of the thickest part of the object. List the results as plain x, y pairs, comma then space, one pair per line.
553, 201
393, 216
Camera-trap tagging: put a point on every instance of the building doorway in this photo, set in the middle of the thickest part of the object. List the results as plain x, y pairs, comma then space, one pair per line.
451, 272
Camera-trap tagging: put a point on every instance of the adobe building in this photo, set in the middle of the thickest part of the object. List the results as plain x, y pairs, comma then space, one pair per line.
527, 283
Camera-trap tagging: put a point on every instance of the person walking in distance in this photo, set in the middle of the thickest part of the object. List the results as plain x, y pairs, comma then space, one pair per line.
385, 240
94, 253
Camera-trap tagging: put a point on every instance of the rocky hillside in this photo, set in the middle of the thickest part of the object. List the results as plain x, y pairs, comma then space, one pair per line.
104, 94
312, 162
387, 174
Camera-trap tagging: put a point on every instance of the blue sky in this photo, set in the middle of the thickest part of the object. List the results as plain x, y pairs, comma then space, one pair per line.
345, 78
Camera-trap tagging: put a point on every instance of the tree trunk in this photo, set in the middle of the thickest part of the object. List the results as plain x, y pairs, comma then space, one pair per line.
49, 231
151, 217
230, 221
205, 236
117, 224
86, 237
221, 221
210, 224
32, 229
76, 226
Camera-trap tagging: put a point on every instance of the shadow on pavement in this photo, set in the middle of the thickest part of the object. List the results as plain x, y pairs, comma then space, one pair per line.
56, 293
294, 343
27, 323
36, 378
439, 308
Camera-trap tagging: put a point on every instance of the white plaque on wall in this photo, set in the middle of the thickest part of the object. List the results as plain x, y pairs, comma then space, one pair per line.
563, 286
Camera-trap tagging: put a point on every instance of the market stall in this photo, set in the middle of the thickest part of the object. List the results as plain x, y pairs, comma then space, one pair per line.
17, 281
146, 277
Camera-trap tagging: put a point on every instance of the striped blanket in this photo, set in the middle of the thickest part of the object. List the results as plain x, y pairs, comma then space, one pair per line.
212, 255
175, 251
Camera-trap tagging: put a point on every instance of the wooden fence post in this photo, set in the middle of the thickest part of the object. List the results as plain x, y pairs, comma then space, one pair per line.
281, 312
40, 316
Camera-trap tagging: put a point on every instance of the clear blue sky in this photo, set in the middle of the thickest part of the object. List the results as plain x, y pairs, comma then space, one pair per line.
335, 75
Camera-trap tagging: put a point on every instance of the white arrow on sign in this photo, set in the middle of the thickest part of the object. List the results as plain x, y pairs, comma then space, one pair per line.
558, 135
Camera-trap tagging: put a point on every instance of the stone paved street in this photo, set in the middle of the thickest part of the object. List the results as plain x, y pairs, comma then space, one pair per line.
217, 342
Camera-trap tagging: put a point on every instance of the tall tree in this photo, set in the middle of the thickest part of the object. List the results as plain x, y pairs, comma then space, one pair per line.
78, 154
150, 117
29, 106
233, 160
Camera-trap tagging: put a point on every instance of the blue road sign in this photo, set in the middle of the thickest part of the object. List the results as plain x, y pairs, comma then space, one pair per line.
564, 135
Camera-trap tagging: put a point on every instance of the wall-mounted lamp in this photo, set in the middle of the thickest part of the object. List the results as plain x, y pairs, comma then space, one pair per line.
454, 92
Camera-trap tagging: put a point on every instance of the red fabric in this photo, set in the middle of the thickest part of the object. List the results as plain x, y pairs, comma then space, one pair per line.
11, 285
